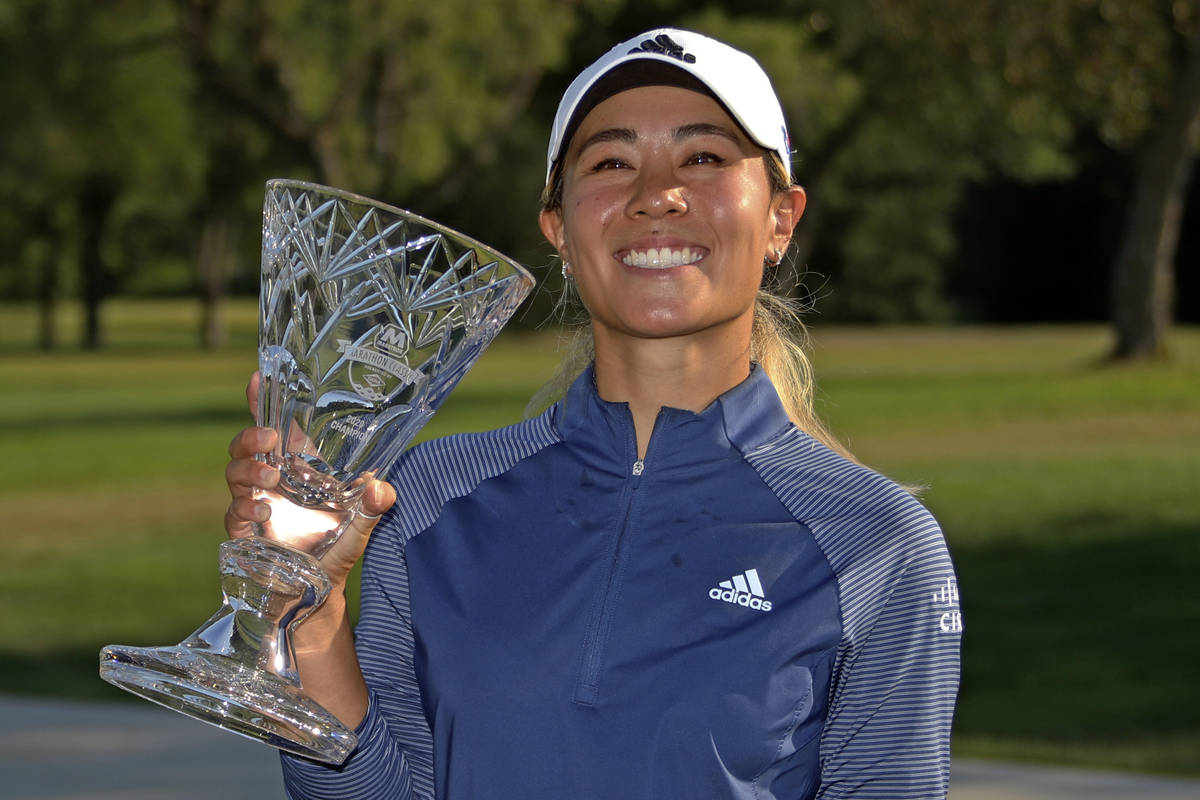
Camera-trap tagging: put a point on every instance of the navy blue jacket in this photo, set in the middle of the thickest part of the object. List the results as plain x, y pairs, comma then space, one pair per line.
741, 614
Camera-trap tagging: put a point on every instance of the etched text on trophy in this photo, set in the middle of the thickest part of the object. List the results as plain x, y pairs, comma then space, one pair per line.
353, 427
379, 369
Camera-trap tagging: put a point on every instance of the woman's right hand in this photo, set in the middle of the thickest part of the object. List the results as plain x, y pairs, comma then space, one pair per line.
245, 474
324, 643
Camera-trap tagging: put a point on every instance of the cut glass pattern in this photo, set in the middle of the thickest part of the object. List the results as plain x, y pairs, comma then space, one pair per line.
369, 316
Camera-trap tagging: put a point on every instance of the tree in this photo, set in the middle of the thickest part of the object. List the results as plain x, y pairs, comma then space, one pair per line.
404, 102
150, 125
102, 145
1145, 267
896, 105
1130, 70
167, 115
893, 107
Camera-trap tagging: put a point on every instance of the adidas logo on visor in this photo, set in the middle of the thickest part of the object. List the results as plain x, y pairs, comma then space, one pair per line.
742, 590
666, 46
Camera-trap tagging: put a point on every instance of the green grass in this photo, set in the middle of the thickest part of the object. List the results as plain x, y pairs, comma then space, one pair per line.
1069, 496
1067, 490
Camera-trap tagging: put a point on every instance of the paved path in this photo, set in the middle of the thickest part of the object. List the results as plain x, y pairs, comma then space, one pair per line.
55, 750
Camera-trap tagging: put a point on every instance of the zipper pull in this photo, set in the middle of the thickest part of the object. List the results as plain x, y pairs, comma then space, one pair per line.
639, 467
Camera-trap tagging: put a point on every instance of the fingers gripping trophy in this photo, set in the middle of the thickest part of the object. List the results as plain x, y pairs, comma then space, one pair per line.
369, 316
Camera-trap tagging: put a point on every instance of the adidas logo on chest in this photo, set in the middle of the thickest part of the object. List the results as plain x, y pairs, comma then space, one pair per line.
742, 590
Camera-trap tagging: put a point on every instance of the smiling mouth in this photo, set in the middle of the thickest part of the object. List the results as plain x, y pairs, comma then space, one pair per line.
663, 257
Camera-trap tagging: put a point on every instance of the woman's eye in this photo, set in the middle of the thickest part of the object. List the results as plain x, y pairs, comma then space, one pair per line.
704, 158
608, 163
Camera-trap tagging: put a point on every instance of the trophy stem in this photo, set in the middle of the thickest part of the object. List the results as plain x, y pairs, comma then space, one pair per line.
237, 671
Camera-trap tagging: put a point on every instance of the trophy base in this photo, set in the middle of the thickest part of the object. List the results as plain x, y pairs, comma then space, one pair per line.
221, 691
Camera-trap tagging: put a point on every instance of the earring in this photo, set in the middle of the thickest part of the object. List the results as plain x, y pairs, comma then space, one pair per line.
566, 270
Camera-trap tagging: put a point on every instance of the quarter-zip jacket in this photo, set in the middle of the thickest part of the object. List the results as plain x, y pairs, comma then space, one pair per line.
740, 614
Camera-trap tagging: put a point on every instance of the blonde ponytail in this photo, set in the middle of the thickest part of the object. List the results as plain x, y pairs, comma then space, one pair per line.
778, 343
578, 351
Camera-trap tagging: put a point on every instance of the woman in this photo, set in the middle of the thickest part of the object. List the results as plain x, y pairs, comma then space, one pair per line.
663, 586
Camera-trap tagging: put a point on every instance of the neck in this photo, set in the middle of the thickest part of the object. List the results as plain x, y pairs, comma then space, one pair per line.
686, 372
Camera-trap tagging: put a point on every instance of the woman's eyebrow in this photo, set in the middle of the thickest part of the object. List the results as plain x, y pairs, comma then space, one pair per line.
623, 135
629, 136
703, 129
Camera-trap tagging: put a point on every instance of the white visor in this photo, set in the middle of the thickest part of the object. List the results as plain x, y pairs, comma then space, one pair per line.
734, 78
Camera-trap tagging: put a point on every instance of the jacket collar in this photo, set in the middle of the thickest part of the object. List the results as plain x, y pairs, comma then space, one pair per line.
748, 415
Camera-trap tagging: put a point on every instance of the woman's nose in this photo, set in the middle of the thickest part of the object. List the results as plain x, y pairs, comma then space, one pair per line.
657, 192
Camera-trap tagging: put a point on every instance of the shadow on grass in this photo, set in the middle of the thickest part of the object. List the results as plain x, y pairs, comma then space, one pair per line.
1084, 632
67, 673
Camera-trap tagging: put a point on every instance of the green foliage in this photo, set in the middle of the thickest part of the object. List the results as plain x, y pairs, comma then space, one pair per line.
386, 98
896, 105
103, 100
185, 108
1107, 61
886, 120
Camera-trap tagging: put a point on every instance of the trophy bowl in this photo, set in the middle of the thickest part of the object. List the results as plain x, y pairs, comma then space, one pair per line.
368, 316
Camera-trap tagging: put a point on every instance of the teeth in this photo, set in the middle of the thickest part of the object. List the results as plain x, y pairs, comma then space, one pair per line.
662, 258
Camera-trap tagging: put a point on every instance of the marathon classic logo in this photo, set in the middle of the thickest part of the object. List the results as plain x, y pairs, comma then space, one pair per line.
388, 346
742, 590
377, 369
392, 339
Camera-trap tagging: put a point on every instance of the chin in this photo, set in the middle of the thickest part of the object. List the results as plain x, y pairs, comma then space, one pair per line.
664, 325
669, 328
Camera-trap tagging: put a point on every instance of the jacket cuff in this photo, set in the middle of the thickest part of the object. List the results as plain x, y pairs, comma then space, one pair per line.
374, 763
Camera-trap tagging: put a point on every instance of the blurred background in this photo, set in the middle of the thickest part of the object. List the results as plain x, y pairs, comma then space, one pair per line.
1000, 256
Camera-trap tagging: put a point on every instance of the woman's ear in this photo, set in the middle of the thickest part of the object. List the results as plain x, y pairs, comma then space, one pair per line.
787, 209
551, 223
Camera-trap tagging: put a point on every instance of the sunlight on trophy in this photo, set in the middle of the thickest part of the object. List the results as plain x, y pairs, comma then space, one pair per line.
369, 316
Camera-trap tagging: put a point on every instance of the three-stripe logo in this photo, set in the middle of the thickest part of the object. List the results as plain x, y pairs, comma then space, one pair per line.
742, 590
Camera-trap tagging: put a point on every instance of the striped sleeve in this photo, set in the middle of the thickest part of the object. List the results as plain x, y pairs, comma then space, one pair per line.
895, 676
394, 757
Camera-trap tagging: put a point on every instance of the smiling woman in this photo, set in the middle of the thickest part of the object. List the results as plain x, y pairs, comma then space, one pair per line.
777, 340
667, 219
666, 227
669, 583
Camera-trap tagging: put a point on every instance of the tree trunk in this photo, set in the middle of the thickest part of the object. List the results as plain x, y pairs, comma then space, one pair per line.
47, 292
95, 203
1143, 281
47, 306
212, 262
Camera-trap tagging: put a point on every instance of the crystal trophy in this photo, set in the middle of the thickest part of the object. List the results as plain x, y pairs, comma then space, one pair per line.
369, 316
